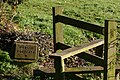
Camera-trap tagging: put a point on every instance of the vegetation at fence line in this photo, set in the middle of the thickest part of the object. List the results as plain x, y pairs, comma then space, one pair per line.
36, 15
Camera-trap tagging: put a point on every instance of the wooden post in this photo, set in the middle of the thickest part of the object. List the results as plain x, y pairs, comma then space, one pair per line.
57, 27
110, 50
99, 52
59, 68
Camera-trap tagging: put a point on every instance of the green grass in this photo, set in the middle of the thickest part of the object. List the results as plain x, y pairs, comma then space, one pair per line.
37, 15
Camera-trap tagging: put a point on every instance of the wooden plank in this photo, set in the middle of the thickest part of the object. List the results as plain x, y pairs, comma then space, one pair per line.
62, 46
57, 27
80, 24
59, 68
92, 58
75, 50
87, 69
74, 70
110, 50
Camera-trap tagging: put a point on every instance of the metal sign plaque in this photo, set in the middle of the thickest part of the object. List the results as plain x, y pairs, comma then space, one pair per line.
27, 50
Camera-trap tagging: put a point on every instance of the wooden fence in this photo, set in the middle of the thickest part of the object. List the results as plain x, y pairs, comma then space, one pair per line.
104, 59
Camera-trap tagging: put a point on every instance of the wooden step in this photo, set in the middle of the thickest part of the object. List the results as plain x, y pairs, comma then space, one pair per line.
76, 50
76, 70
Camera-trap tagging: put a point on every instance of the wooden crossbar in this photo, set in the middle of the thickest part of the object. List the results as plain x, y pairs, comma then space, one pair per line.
75, 50
92, 58
79, 24
81, 70
84, 55
74, 70
87, 69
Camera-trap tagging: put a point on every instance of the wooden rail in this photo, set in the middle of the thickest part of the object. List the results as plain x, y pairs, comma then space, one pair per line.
75, 70
92, 58
79, 24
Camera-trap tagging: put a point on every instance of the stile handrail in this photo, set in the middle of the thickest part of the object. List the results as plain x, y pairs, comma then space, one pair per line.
80, 24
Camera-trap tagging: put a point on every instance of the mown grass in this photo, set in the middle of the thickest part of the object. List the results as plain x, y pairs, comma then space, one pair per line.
37, 15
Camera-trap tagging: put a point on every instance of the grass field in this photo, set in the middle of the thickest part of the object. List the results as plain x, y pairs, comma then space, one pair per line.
37, 15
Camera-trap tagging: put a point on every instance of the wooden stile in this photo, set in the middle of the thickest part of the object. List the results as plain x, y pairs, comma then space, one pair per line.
103, 63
